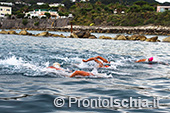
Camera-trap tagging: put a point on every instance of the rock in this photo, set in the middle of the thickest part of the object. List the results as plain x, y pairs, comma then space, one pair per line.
43, 34
56, 35
50, 34
105, 37
158, 41
24, 32
153, 39
80, 34
73, 35
3, 32
115, 38
86, 35
137, 37
142, 38
92, 37
12, 32
166, 39
121, 37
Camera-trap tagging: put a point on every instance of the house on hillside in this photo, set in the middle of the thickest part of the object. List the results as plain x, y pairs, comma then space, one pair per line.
56, 5
4, 10
40, 3
163, 8
7, 3
41, 13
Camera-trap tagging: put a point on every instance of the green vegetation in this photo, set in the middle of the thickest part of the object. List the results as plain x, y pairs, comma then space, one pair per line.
103, 12
25, 22
48, 15
36, 23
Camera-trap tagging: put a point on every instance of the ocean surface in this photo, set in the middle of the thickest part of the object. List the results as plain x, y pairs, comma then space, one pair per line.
28, 86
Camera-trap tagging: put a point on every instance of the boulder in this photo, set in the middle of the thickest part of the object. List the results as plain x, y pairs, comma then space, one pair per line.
12, 32
105, 37
24, 32
56, 35
142, 38
92, 37
80, 34
121, 37
86, 35
3, 32
137, 37
115, 38
73, 35
43, 34
166, 39
153, 39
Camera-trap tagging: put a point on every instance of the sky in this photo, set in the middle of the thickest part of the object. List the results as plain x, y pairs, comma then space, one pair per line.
162, 1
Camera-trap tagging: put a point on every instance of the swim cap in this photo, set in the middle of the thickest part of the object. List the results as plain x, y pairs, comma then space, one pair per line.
106, 66
56, 64
150, 59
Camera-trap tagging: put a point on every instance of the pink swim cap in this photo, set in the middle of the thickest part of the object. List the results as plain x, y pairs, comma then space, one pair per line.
150, 59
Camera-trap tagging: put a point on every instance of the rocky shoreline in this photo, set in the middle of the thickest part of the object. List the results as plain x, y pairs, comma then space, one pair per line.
142, 30
88, 35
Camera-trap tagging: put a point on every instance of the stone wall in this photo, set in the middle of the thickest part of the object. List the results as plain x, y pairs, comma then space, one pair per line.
43, 23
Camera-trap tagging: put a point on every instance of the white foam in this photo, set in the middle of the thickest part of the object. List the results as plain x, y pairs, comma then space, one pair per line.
12, 61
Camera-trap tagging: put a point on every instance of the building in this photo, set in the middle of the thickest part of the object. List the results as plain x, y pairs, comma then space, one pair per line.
41, 13
56, 5
40, 3
6, 3
4, 10
79, 0
163, 8
23, 3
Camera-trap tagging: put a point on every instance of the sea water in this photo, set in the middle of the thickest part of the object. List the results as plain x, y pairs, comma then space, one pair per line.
27, 86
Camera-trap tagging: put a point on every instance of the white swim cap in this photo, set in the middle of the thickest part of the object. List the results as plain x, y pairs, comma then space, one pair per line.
56, 64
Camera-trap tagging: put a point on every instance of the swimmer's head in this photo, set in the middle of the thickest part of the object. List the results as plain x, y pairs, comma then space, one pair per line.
56, 64
107, 65
150, 59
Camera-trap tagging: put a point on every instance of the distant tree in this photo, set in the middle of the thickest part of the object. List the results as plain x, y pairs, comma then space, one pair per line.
141, 3
20, 15
67, 3
44, 6
48, 15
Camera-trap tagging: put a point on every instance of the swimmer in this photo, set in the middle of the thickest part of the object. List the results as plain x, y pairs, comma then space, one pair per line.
145, 60
81, 73
97, 61
56, 66
150, 61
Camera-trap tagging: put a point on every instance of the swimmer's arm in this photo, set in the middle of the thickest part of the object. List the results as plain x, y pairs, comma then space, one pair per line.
141, 60
163, 63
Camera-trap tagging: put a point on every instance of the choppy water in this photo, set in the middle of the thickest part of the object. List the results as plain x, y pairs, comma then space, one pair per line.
26, 85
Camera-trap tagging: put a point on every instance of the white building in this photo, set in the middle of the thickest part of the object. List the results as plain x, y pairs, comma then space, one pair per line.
56, 5
41, 13
40, 3
5, 10
6, 3
23, 3
80, 0
162, 8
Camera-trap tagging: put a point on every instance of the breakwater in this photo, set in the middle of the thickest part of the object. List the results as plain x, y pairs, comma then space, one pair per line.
87, 34
143, 30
